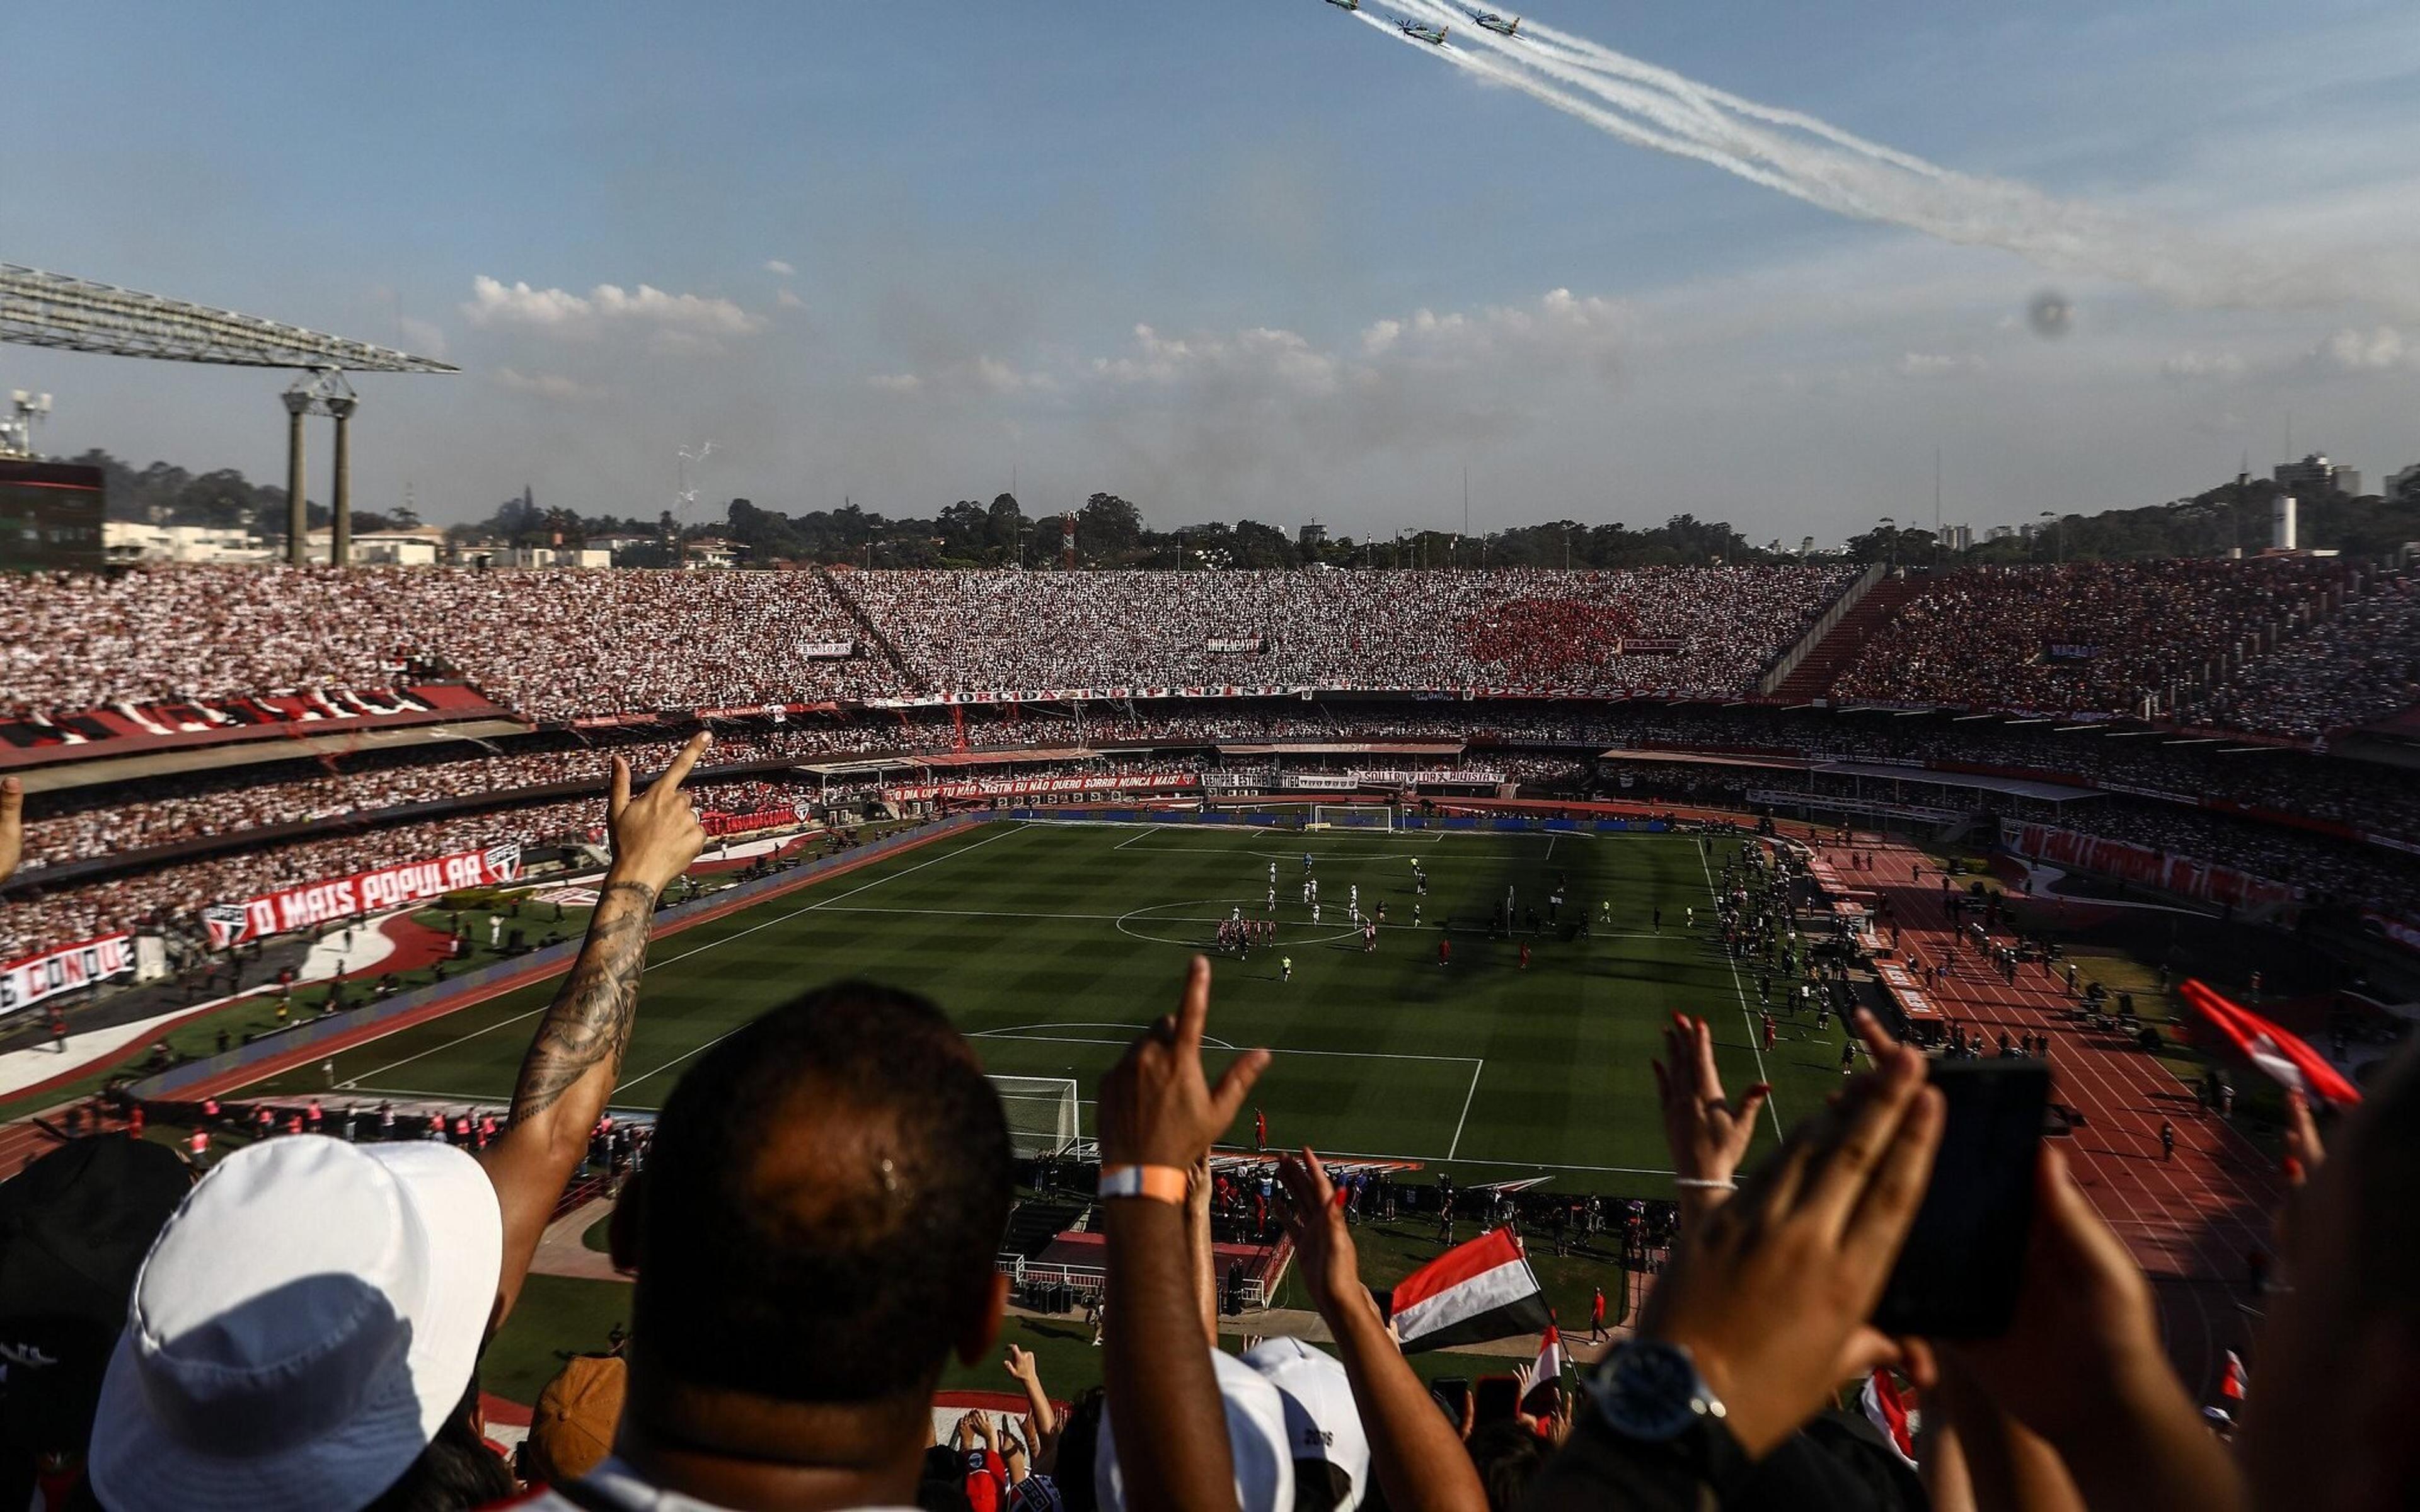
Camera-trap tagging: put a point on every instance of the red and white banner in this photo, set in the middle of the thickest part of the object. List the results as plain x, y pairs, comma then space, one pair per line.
2180, 875
1018, 787
2281, 1056
365, 892
27, 981
720, 822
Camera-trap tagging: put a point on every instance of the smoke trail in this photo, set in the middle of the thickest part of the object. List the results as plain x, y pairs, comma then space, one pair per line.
1811, 160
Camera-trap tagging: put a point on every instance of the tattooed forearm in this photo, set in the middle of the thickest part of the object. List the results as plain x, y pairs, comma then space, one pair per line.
589, 1022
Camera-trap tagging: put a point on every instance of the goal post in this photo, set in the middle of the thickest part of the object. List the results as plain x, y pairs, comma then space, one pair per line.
1354, 816
1044, 1115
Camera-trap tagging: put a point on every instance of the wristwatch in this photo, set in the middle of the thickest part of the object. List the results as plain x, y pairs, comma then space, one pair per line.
1649, 1392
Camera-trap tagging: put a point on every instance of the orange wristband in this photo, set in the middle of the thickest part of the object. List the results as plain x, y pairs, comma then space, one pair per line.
1161, 1183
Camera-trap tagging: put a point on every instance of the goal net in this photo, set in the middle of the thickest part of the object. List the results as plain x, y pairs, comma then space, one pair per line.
1354, 816
1042, 1118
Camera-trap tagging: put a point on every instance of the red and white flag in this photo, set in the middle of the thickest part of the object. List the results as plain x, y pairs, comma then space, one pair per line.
1887, 1411
2232, 1384
1550, 1364
1472, 1293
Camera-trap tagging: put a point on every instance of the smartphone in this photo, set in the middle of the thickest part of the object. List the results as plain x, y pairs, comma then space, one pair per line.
1495, 1399
1451, 1392
1957, 1274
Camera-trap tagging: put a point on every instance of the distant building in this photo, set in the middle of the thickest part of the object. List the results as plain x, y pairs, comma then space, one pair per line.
1312, 537
51, 516
710, 552
125, 542
1955, 537
2000, 532
2316, 475
2404, 485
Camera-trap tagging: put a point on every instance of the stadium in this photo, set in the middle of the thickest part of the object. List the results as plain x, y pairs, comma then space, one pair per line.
749, 1007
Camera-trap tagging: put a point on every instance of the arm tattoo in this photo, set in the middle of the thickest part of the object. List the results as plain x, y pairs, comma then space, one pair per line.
589, 1022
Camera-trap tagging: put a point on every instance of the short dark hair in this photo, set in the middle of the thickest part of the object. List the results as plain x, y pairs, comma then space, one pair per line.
823, 1203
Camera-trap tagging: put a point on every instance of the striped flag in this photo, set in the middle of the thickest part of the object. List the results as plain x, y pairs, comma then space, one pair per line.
1473, 1292
1550, 1366
2232, 1384
1884, 1406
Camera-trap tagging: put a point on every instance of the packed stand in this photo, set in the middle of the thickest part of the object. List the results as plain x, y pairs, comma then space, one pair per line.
2089, 636
554, 644
1568, 631
2358, 667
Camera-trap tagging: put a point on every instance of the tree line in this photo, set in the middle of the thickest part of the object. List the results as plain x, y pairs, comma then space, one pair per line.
1111, 531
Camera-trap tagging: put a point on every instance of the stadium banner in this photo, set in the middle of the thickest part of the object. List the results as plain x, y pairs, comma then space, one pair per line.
1633, 646
29, 980
1318, 782
828, 650
720, 822
2069, 651
1233, 643
2180, 875
363, 892
1018, 787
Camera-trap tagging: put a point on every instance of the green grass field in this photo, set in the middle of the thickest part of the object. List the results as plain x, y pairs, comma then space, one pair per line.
1052, 944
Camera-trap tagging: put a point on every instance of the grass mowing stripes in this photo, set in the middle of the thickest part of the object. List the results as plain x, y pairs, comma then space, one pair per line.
1052, 944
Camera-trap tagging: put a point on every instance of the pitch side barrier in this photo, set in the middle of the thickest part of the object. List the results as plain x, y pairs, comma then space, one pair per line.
317, 1038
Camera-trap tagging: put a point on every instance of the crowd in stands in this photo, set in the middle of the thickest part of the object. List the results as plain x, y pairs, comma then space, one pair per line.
965, 631
2087, 637
813, 1234
2360, 667
553, 644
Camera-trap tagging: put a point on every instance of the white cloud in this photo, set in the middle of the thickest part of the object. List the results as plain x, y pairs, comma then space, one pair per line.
1939, 364
421, 337
548, 386
788, 300
561, 313
775, 265
895, 382
2185, 367
2366, 352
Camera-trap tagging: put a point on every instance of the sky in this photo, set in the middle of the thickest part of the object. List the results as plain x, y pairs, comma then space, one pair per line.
1244, 260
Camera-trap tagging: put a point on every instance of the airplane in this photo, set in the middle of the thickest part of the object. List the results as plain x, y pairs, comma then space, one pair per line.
1497, 24
1346, 5
1434, 36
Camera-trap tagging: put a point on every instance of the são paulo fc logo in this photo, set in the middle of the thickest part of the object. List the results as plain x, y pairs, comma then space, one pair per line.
504, 862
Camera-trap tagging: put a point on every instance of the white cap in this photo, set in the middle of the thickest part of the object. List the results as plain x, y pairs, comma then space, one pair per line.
1322, 1422
303, 1327
1256, 1443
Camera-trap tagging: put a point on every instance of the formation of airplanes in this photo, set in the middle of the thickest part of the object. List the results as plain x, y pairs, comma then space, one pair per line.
1435, 35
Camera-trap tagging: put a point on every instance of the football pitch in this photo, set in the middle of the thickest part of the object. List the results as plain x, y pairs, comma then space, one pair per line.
1051, 945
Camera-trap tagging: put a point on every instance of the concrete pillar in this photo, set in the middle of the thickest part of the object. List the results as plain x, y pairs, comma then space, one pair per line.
340, 538
298, 516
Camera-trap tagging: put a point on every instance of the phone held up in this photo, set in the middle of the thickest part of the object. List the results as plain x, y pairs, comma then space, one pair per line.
1958, 1274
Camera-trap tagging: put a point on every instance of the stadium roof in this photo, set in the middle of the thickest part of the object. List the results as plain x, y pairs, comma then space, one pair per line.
40, 309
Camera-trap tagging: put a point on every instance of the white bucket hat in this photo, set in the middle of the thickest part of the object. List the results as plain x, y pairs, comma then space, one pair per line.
1256, 1443
300, 1330
1322, 1419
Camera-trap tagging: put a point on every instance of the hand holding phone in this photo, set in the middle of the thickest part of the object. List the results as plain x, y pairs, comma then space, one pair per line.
1958, 1272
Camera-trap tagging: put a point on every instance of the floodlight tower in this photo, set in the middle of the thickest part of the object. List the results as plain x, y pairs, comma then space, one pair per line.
17, 432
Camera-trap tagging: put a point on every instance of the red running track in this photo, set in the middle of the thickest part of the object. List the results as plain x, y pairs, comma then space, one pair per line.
2192, 1221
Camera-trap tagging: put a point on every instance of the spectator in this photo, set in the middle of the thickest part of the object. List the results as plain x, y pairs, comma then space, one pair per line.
813, 1235
571, 1422
305, 1329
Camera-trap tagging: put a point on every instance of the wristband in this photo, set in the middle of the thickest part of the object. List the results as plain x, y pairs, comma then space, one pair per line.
1161, 1183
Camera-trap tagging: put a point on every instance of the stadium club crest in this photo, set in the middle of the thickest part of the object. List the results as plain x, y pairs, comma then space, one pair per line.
225, 922
504, 862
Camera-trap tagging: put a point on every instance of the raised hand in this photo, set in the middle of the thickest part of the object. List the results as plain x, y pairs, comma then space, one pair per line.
1706, 1132
1157, 1106
655, 835
1772, 1290
1331, 1267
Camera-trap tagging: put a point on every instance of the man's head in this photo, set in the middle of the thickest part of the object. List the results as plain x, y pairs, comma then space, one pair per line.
820, 1210
2337, 1378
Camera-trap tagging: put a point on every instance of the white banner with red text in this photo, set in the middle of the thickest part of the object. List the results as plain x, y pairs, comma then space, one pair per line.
363, 892
1020, 787
27, 981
